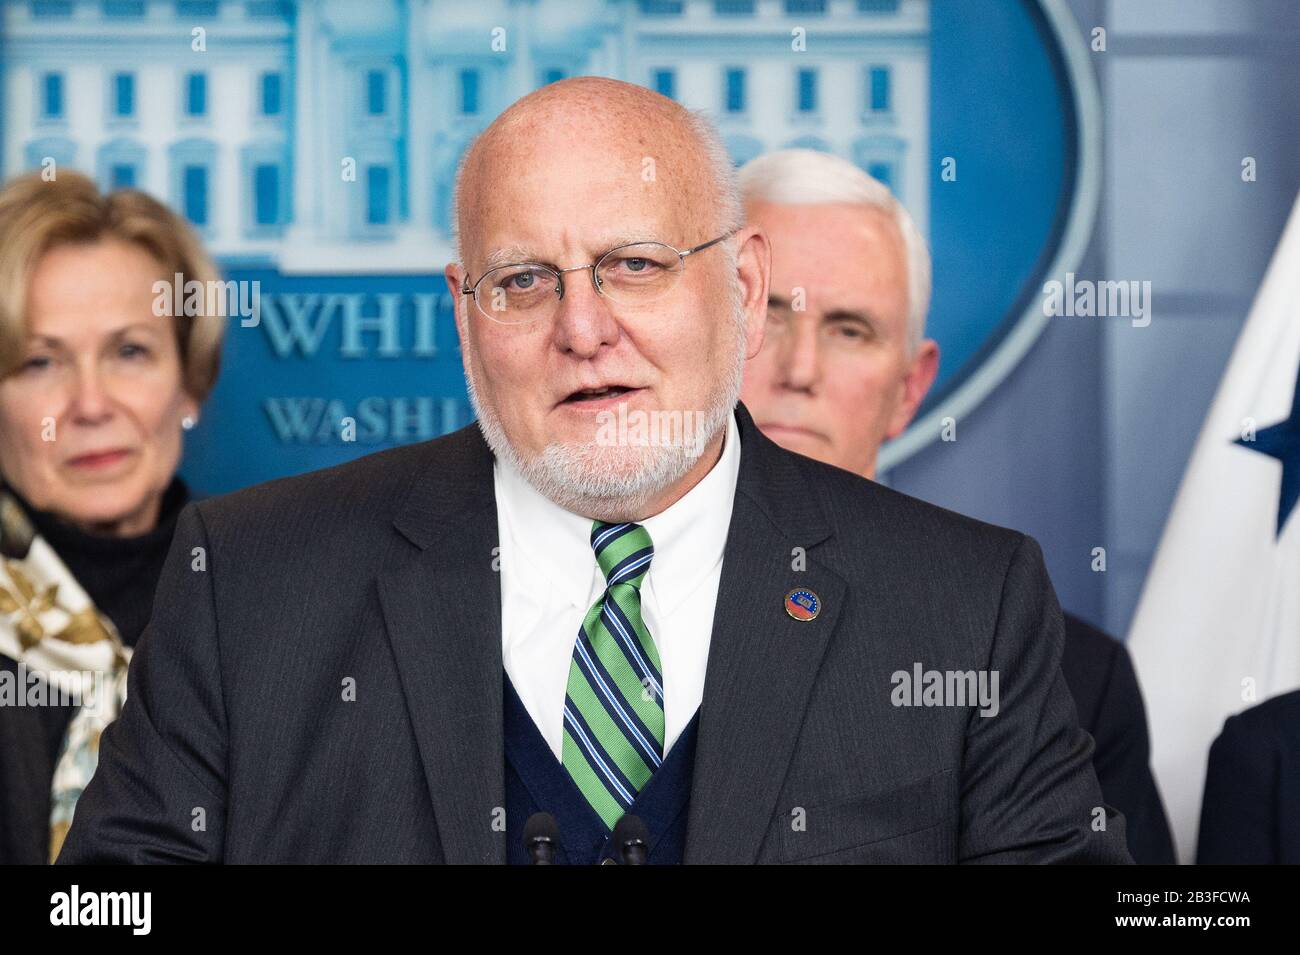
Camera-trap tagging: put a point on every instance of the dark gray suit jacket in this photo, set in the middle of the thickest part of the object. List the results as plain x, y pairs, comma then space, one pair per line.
322, 681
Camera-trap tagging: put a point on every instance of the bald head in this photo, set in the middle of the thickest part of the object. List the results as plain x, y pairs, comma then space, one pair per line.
651, 145
585, 172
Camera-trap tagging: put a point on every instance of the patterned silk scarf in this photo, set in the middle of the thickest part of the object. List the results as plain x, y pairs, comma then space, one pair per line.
67, 651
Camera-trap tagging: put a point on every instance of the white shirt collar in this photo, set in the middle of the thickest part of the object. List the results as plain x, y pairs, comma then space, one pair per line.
689, 536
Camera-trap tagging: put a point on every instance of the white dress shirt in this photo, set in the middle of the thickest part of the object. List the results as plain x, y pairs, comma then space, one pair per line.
550, 579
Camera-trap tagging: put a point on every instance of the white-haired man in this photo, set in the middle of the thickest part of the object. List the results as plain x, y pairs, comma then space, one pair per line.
846, 362
846, 370
539, 638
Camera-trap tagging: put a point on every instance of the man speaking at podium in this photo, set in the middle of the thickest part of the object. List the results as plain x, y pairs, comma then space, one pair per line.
612, 600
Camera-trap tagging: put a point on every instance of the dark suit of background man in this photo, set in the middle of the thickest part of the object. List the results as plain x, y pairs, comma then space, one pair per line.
845, 368
1250, 814
405, 657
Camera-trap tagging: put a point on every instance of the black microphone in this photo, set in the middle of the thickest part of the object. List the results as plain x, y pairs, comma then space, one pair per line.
631, 840
541, 836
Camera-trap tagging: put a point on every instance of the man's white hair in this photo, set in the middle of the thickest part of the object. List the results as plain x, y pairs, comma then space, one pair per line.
800, 177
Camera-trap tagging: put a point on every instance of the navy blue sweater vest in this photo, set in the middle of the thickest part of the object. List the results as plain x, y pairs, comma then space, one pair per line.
536, 782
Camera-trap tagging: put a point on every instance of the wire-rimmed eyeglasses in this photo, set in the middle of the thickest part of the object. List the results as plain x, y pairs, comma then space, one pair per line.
633, 274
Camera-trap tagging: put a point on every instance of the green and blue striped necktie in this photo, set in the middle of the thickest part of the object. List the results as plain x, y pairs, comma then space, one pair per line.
614, 700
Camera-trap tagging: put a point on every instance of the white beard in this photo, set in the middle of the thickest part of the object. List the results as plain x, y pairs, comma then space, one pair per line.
613, 482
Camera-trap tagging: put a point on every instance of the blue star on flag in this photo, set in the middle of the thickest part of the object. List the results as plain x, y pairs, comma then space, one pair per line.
1282, 441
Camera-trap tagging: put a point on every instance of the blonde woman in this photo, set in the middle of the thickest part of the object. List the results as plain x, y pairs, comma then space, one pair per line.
97, 385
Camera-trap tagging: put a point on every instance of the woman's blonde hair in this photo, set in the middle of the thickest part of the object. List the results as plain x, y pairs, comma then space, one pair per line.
37, 215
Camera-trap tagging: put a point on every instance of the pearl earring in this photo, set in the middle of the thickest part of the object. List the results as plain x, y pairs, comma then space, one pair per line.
188, 422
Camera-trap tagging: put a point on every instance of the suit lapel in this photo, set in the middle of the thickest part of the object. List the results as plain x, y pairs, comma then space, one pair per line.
442, 610
762, 662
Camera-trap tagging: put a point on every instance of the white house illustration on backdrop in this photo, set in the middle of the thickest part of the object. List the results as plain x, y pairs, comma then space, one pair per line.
251, 136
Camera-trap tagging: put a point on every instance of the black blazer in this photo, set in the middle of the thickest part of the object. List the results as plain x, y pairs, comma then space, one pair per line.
120, 575
1249, 814
1100, 675
31, 739
321, 681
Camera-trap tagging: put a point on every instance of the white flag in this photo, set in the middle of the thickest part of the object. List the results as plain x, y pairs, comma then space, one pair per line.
1218, 626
